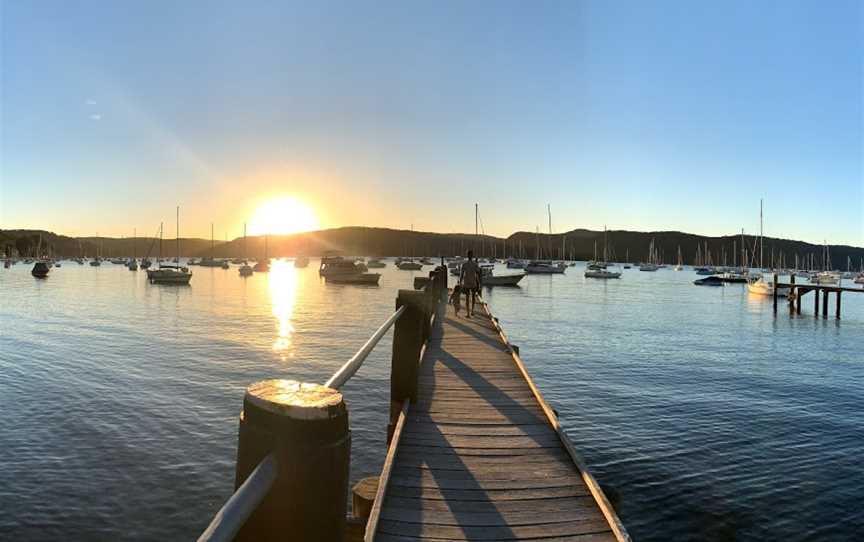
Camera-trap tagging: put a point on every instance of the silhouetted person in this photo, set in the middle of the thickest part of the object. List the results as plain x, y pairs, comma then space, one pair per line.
469, 278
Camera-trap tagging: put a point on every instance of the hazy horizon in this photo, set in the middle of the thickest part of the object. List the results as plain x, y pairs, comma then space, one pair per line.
641, 116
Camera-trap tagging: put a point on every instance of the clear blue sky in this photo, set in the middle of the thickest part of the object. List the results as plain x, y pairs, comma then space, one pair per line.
639, 115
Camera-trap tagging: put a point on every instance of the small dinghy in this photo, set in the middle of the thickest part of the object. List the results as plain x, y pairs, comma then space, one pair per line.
713, 280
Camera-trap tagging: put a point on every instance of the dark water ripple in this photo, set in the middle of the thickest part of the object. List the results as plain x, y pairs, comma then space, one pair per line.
703, 416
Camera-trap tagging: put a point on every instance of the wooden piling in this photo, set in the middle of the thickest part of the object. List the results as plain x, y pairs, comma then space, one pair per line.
800, 293
305, 426
793, 295
407, 343
825, 304
775, 293
816, 302
838, 304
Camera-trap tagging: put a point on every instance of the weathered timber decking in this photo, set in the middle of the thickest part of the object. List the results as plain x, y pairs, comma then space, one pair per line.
480, 456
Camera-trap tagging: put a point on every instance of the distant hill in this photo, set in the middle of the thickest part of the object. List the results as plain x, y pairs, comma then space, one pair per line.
577, 244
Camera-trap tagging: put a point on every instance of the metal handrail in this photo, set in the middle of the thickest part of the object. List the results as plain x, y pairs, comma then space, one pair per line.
347, 371
234, 513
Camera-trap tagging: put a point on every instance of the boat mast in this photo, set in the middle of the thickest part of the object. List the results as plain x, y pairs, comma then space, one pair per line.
178, 236
761, 238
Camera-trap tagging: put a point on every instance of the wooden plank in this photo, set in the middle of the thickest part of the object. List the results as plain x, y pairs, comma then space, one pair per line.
434, 506
513, 532
429, 480
454, 495
590, 537
491, 518
473, 441
488, 471
418, 426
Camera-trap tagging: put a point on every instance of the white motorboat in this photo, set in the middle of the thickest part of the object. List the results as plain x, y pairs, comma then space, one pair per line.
513, 263
502, 280
649, 267
341, 271
824, 278
859, 279
301, 261
760, 286
375, 263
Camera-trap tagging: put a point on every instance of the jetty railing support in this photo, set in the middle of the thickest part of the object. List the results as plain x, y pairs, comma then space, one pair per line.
408, 337
305, 427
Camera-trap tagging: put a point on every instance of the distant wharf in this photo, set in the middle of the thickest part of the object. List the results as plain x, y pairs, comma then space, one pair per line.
798, 291
474, 451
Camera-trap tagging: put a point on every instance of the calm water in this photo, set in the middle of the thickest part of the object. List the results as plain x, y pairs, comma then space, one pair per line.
703, 416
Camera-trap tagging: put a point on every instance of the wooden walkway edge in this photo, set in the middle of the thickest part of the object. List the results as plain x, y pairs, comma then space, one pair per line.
481, 455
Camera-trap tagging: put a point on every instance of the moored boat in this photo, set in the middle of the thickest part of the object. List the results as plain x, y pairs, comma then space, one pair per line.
713, 280
409, 265
167, 273
301, 261
543, 268
40, 270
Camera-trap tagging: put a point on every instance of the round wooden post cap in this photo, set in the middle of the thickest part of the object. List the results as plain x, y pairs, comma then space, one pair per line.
296, 400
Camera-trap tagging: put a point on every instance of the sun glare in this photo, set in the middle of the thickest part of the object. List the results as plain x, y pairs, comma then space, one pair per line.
282, 216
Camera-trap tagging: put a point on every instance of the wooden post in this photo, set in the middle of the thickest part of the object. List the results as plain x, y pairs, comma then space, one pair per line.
793, 294
798, 300
825, 304
775, 293
838, 303
363, 496
407, 342
306, 427
816, 302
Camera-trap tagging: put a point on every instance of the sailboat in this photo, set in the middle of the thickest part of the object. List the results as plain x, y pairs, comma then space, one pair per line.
97, 261
210, 261
758, 285
245, 270
132, 264
166, 273
599, 270
651, 264
263, 266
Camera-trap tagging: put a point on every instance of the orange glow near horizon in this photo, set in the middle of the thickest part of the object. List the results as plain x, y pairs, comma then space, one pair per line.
283, 216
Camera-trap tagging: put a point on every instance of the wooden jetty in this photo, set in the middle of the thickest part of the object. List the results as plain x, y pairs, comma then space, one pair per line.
474, 451
480, 455
797, 291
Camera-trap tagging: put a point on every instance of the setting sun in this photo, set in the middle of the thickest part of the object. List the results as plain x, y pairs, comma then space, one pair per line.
282, 216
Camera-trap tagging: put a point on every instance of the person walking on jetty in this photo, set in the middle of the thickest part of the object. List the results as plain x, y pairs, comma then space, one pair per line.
469, 279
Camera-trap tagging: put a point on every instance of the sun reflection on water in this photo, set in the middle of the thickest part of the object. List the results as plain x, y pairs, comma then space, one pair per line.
282, 281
